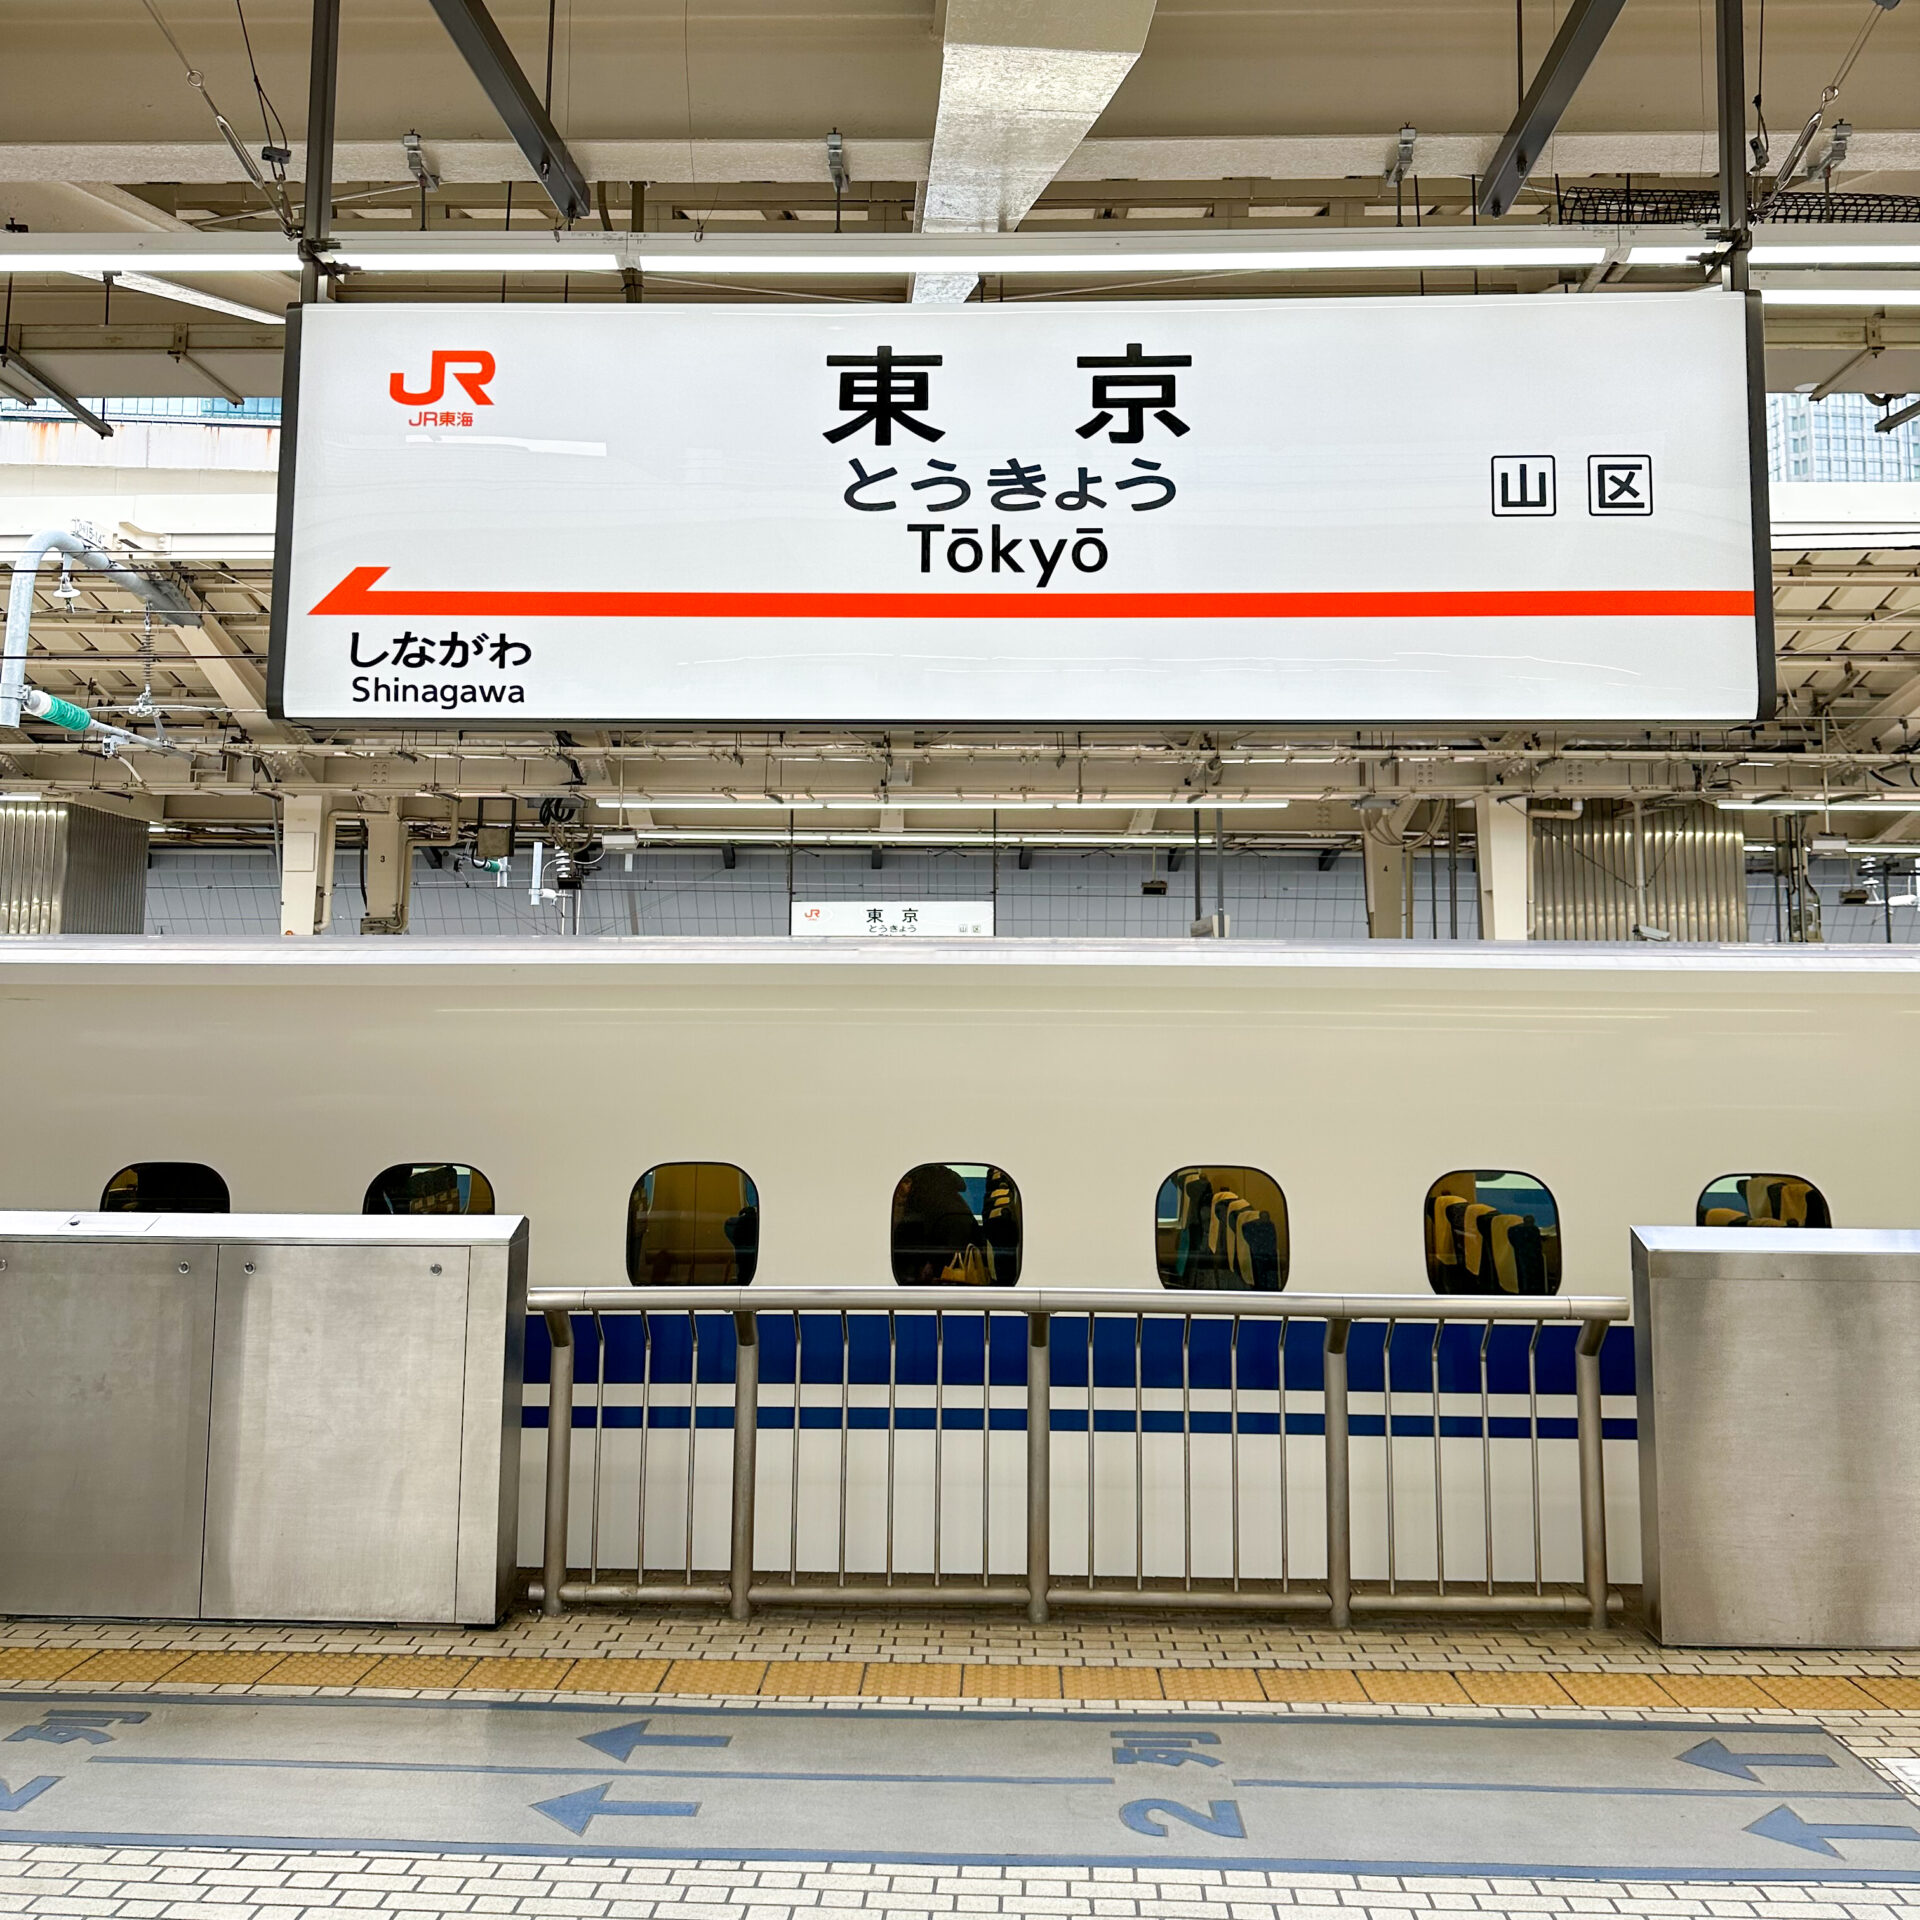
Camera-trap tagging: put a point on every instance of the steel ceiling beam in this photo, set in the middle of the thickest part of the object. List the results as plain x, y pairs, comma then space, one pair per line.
514, 100
1581, 35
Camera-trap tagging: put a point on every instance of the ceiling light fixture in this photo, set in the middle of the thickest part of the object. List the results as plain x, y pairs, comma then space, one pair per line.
193, 297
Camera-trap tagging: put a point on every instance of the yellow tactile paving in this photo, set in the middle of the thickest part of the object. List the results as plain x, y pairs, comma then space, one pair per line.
714, 1676
1615, 1690
808, 1679
1514, 1690
418, 1670
223, 1669
1899, 1691
39, 1663
129, 1664
996, 1682
1713, 1690
1111, 1683
1211, 1683
1306, 1686
1414, 1688
319, 1670
619, 1673
1814, 1692
509, 1673
911, 1679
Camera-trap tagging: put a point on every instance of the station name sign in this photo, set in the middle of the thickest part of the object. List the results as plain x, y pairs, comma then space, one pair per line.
1390, 510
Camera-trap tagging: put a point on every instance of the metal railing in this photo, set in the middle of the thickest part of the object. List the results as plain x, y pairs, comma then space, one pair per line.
1200, 1410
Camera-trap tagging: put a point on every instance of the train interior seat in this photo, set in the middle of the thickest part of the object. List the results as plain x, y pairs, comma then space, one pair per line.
1218, 1238
1476, 1246
1763, 1200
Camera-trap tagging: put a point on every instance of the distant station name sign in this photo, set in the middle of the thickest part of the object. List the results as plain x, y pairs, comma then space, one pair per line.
1313, 510
895, 919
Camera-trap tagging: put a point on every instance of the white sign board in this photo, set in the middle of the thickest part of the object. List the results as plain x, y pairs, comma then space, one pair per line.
1341, 510
892, 919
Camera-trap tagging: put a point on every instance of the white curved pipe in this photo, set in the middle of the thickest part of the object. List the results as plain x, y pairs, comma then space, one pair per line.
168, 604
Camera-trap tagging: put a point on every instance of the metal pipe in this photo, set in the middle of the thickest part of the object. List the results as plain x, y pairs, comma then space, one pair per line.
1039, 1467
1338, 1469
1593, 1467
559, 1461
746, 1439
167, 602
1032, 1300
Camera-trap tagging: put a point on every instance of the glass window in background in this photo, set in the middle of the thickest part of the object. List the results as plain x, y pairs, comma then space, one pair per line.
1492, 1232
956, 1224
440, 1186
1762, 1200
693, 1223
1221, 1227
166, 1186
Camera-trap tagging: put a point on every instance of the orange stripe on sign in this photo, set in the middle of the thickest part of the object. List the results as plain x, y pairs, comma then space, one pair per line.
358, 594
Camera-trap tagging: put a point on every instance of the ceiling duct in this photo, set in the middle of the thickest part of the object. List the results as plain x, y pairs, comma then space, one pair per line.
1020, 88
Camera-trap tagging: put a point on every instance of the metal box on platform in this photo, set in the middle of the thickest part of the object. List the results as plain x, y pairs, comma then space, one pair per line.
1779, 1435
260, 1416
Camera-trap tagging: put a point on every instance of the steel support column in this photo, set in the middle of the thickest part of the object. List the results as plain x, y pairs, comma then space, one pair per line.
323, 83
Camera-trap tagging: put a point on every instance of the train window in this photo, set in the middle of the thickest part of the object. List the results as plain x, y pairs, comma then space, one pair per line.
1492, 1232
693, 1223
440, 1186
165, 1186
956, 1225
1221, 1227
1762, 1200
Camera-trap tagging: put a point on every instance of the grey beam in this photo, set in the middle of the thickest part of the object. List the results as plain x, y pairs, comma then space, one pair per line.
1581, 36
515, 101
18, 364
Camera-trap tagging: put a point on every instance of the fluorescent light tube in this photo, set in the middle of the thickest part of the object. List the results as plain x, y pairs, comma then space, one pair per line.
134, 260
933, 803
1779, 253
693, 264
1908, 296
559, 260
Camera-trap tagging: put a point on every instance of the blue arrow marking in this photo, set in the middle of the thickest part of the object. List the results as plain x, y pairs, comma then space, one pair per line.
1712, 1755
1786, 1826
620, 1742
577, 1811
12, 1799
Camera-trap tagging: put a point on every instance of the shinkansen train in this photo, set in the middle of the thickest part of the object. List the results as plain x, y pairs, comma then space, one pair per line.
1381, 1119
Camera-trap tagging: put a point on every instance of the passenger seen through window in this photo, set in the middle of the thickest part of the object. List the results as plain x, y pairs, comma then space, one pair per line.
956, 1224
442, 1186
693, 1223
1221, 1227
1762, 1200
1488, 1231
166, 1186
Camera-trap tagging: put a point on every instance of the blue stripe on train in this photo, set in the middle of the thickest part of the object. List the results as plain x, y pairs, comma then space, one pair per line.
967, 1353
1406, 1426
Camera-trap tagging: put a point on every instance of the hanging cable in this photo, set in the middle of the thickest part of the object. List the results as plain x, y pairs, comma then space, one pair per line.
275, 198
1828, 95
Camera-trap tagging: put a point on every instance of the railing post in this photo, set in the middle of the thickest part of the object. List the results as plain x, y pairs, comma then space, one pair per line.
1593, 1467
1039, 1466
1339, 1491
553, 1568
746, 1444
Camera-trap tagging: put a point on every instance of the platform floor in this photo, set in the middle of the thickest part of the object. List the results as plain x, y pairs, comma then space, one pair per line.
1448, 1766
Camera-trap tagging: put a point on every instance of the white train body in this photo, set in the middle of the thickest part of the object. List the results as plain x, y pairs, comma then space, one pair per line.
1625, 1079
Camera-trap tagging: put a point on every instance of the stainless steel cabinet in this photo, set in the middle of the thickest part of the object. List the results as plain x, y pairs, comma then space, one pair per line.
260, 1417
1779, 1435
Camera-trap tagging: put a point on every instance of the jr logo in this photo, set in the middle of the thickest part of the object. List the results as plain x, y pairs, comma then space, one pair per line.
472, 371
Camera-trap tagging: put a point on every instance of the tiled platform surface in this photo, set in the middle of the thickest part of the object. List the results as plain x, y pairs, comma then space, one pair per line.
129, 1883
